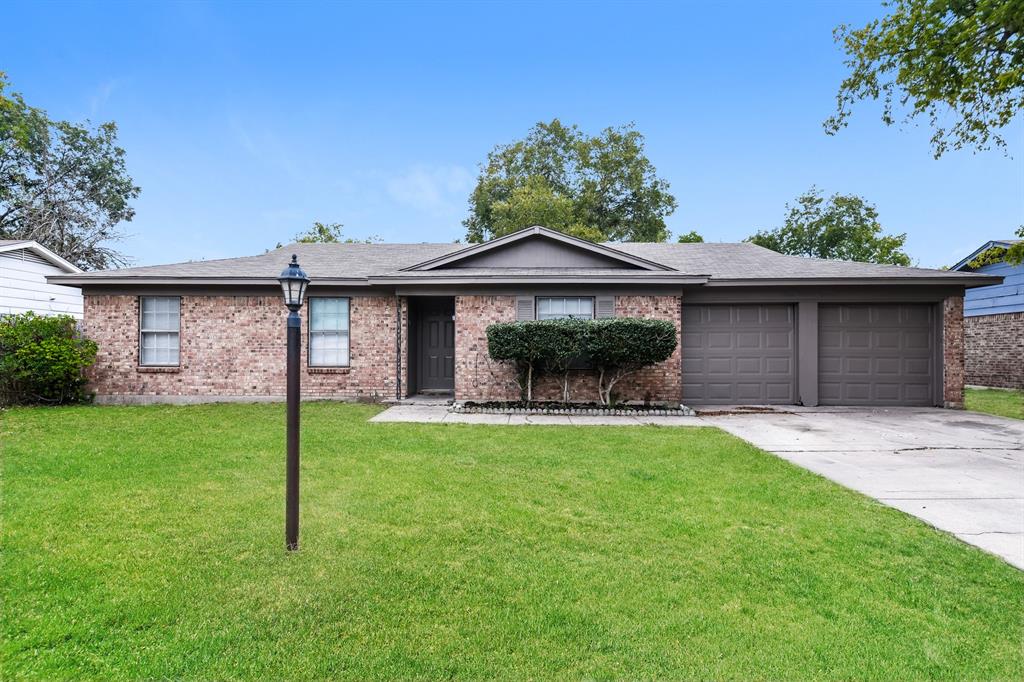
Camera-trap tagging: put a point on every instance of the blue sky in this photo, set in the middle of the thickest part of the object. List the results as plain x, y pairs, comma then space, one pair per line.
243, 123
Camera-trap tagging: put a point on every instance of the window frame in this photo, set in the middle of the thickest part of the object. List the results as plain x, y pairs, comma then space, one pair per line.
143, 331
310, 332
593, 307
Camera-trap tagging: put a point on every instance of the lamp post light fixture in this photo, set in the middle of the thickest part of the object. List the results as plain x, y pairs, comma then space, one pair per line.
293, 283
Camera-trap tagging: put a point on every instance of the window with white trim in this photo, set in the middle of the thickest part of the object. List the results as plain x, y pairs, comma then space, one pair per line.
328, 332
560, 307
159, 330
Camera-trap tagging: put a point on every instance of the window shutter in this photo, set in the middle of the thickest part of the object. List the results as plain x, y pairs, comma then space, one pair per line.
524, 308
604, 306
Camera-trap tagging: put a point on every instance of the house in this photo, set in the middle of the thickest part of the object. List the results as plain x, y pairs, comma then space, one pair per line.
384, 321
24, 267
994, 320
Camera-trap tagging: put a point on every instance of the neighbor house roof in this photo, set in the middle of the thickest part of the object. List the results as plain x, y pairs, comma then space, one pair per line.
661, 263
1002, 243
9, 245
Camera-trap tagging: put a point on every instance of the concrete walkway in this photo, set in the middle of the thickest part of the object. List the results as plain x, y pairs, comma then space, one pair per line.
962, 472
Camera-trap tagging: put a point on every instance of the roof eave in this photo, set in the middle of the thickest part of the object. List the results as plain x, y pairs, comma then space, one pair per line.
540, 279
240, 281
967, 281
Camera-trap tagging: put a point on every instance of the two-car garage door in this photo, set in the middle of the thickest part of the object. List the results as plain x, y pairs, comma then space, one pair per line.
868, 354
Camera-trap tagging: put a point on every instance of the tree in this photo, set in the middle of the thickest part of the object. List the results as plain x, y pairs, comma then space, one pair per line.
845, 227
602, 188
1015, 254
328, 233
64, 185
933, 57
691, 237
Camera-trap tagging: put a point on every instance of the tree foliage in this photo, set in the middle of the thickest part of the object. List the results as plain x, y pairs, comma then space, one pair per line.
1015, 254
614, 347
956, 59
843, 227
64, 185
601, 188
691, 237
43, 360
328, 233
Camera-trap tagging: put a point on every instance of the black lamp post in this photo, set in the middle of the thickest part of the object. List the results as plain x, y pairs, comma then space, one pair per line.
293, 283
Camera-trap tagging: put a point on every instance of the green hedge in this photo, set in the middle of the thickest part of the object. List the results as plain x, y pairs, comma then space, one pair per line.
614, 347
43, 360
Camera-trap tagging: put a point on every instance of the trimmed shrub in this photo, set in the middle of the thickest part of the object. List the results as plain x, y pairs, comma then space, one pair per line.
619, 346
614, 347
43, 360
535, 348
511, 342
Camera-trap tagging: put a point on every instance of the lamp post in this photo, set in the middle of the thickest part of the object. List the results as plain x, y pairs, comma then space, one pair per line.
293, 283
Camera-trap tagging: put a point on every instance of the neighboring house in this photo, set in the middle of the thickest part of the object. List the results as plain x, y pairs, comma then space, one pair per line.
994, 322
24, 267
384, 321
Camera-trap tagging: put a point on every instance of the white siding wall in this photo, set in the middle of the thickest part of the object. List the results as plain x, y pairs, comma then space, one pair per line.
23, 287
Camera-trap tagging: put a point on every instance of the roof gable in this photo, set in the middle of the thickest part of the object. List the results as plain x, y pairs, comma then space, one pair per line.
1003, 243
12, 245
539, 247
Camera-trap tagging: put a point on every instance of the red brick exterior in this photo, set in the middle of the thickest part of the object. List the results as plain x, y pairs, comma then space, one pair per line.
953, 352
994, 347
477, 377
234, 347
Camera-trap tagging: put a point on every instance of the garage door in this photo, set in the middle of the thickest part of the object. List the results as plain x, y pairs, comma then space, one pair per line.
876, 354
738, 354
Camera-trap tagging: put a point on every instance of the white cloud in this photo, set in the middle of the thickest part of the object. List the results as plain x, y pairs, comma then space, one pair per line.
436, 190
101, 95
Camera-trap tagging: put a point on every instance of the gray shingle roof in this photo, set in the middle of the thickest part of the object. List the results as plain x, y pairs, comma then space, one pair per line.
745, 261
719, 261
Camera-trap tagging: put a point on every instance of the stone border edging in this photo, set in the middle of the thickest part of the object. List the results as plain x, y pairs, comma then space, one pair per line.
681, 411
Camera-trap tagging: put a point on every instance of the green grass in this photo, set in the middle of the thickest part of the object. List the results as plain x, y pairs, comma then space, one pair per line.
995, 401
147, 542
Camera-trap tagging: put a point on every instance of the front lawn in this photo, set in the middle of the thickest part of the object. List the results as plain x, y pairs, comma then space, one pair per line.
995, 401
147, 542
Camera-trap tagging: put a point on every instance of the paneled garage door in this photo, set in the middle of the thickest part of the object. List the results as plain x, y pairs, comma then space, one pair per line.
738, 354
876, 354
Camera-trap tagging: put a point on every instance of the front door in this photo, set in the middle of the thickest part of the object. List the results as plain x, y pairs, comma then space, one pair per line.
437, 345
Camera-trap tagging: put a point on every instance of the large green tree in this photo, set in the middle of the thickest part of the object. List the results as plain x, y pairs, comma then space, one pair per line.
842, 227
61, 184
960, 63
601, 187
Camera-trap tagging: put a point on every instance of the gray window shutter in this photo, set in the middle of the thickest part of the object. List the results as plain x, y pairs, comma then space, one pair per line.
604, 306
524, 308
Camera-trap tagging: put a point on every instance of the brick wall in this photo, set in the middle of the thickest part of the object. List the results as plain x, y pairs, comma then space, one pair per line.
234, 346
477, 377
994, 348
953, 351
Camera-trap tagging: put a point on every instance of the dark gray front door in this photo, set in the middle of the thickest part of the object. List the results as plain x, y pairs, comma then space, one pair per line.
436, 343
876, 354
738, 354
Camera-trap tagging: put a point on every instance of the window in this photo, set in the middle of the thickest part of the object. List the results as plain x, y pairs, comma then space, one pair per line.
160, 330
328, 332
555, 308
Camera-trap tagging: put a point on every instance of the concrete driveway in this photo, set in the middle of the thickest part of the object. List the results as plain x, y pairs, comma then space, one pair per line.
962, 472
